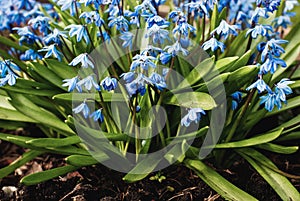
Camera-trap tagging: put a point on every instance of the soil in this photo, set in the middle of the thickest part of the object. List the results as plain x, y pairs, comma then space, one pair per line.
102, 184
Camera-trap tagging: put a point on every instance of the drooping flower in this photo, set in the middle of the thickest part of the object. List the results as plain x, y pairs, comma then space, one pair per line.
236, 99
84, 108
282, 89
146, 6
272, 46
10, 79
194, 115
69, 4
30, 55
40, 22
224, 29
259, 12
270, 100
137, 86
120, 22
97, 115
143, 61
55, 37
80, 31
260, 85
175, 49
127, 37
158, 81
72, 84
259, 30
109, 83
89, 83
52, 51
157, 20
92, 17
134, 17
271, 64
128, 77
26, 35
84, 59
158, 34
213, 44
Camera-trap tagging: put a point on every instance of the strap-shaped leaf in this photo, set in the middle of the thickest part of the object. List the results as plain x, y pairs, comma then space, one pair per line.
80, 161
28, 108
54, 142
39, 177
265, 168
278, 148
108, 97
191, 100
25, 158
260, 139
14, 115
222, 186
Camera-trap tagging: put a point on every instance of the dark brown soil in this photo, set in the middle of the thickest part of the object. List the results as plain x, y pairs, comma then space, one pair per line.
100, 183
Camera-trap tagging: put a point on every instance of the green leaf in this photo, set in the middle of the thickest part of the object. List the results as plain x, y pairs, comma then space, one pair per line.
146, 166
26, 157
191, 100
222, 186
28, 108
47, 74
14, 115
223, 64
40, 177
260, 139
242, 61
54, 142
197, 73
6, 41
80, 161
108, 97
289, 136
214, 18
62, 69
12, 125
279, 183
278, 148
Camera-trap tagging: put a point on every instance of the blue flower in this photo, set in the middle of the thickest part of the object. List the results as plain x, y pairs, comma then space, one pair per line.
158, 81
158, 34
80, 31
113, 10
40, 22
128, 77
92, 17
84, 59
72, 84
97, 115
272, 46
165, 57
159, 21
184, 28
109, 83
270, 100
213, 44
30, 55
120, 22
224, 29
134, 17
25, 4
290, 4
84, 108
69, 4
176, 15
236, 99
175, 49
282, 89
259, 12
142, 61
199, 8
282, 21
137, 86
271, 64
194, 115
88, 83
260, 85
97, 3
54, 37
51, 51
127, 38
146, 5
259, 30
9, 79
26, 35
270, 5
